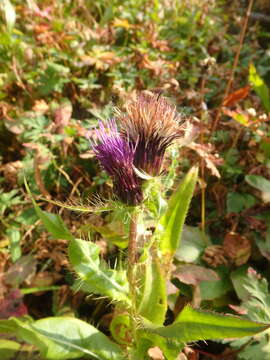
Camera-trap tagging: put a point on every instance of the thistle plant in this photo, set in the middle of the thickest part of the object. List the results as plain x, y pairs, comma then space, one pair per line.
131, 149
116, 155
151, 125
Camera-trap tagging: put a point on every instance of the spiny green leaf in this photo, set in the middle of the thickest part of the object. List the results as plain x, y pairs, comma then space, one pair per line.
96, 276
169, 228
153, 303
193, 325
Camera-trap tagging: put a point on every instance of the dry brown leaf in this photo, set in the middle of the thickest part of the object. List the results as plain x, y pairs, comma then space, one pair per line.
45, 278
214, 255
22, 271
155, 353
40, 106
62, 116
236, 96
211, 159
10, 171
237, 248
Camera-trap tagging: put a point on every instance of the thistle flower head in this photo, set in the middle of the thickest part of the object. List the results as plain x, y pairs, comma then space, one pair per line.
116, 155
152, 124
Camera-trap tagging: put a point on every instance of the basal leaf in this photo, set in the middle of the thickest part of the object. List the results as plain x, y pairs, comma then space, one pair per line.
73, 338
193, 325
61, 338
169, 228
96, 276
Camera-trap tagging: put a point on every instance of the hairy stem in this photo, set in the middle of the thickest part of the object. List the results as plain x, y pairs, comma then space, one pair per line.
132, 245
131, 270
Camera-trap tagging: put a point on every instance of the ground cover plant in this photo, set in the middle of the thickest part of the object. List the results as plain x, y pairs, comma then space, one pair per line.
96, 261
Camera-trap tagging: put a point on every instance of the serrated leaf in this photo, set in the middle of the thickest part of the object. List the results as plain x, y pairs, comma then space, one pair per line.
258, 304
193, 325
170, 226
96, 276
237, 202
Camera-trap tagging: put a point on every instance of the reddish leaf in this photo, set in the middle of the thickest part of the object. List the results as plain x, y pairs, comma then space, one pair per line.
12, 305
193, 274
236, 96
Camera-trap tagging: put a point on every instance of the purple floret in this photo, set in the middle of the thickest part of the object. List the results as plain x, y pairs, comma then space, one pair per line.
116, 155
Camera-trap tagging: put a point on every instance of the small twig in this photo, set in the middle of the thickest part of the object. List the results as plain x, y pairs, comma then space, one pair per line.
74, 189
202, 167
235, 63
59, 168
